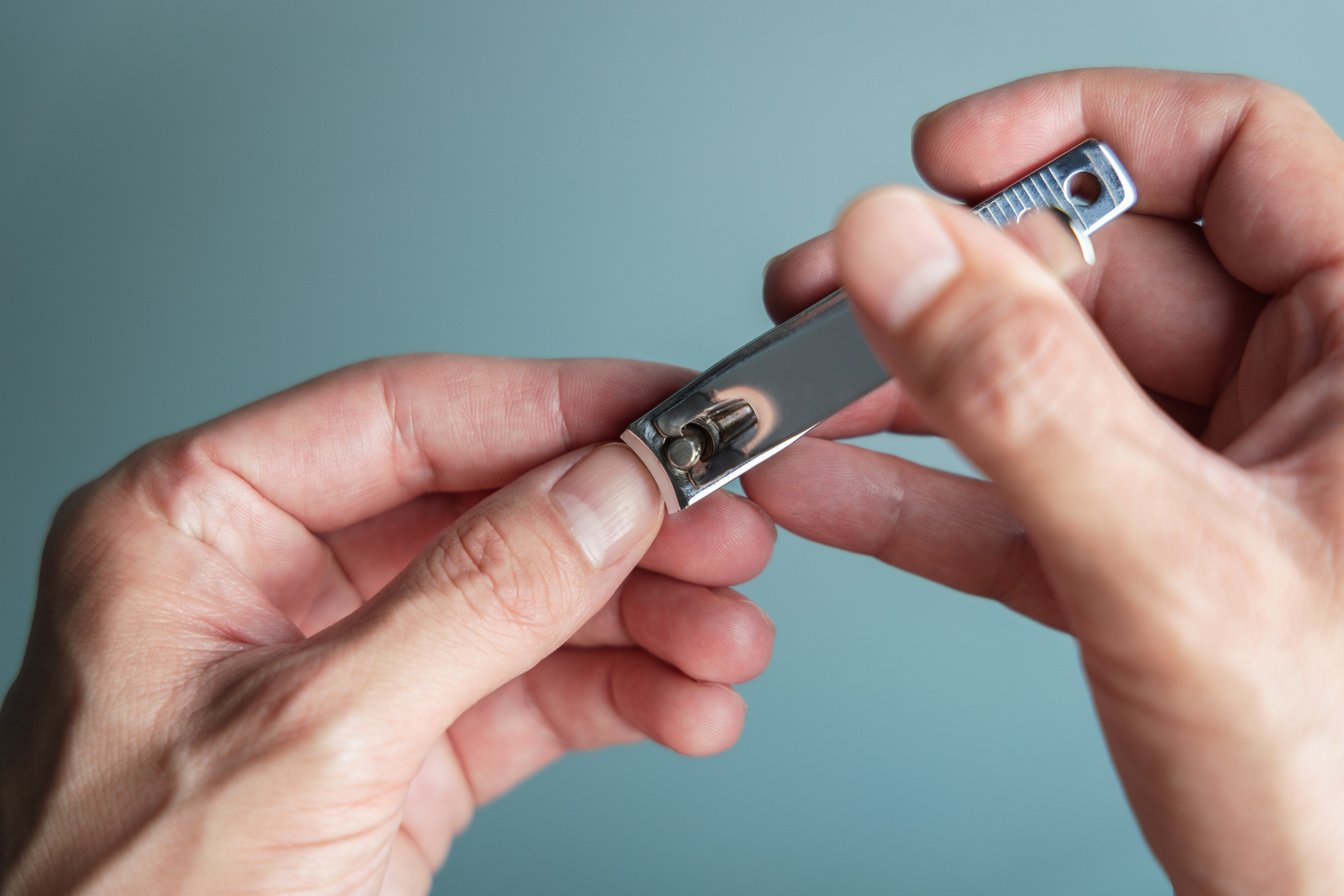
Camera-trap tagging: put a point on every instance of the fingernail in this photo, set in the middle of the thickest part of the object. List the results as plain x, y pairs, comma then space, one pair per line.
900, 252
609, 503
1047, 235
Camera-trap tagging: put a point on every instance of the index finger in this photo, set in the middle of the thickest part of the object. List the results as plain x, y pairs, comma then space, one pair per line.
359, 441
1255, 162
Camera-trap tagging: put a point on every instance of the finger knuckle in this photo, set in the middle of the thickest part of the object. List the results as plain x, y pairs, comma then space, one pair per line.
83, 558
480, 563
180, 480
172, 474
75, 521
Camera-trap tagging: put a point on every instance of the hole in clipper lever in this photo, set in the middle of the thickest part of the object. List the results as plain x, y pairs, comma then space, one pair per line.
1083, 188
711, 429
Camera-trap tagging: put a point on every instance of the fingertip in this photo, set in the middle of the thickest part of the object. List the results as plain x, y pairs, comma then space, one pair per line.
694, 718
736, 639
714, 635
755, 525
1049, 238
927, 143
762, 532
724, 539
948, 144
923, 130
765, 271
799, 277
752, 641
714, 721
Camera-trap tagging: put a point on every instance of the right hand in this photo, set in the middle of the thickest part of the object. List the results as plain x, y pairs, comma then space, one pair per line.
1197, 555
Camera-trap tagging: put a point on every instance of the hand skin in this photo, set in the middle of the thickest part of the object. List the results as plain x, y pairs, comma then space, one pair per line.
1164, 441
290, 651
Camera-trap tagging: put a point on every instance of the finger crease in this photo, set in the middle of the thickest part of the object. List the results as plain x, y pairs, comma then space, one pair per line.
557, 411
464, 770
411, 464
538, 709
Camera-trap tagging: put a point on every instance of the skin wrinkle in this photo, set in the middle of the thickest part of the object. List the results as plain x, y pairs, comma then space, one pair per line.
889, 535
1254, 399
436, 801
198, 774
474, 565
1011, 572
1267, 102
556, 411
1229, 370
474, 796
614, 697
1330, 340
421, 854
209, 462
372, 827
622, 623
1303, 343
545, 722
413, 469
374, 551
343, 587
1015, 566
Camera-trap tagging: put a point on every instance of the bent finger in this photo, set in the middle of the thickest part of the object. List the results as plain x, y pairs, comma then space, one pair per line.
584, 700
1210, 147
362, 440
710, 634
949, 529
723, 540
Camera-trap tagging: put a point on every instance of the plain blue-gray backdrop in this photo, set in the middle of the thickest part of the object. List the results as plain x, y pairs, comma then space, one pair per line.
203, 203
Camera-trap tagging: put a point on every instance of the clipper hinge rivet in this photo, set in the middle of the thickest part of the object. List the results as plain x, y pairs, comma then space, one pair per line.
711, 429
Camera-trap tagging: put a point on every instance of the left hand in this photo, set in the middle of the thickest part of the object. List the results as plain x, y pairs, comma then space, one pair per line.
293, 649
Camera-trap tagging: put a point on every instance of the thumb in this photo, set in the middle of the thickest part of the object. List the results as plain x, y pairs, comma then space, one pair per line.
1001, 359
498, 591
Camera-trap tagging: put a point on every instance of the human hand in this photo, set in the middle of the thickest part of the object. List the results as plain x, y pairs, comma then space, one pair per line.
1190, 538
292, 649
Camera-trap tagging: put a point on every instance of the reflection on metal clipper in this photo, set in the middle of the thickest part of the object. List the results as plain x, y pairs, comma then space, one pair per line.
762, 397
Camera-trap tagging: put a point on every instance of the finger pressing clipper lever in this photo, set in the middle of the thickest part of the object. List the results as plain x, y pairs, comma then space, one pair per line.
764, 396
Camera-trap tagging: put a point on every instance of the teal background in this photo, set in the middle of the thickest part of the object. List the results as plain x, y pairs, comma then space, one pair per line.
203, 203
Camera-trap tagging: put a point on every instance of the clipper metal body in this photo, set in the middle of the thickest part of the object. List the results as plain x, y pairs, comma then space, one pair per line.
762, 397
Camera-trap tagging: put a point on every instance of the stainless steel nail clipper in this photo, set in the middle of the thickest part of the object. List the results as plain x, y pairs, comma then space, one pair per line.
758, 400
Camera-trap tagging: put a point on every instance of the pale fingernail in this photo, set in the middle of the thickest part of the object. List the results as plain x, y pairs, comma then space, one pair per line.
1046, 234
609, 503
902, 253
